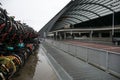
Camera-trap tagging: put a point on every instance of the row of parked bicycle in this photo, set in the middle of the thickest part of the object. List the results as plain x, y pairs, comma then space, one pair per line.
17, 42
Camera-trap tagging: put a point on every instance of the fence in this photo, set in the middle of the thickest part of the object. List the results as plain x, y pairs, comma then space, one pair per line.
105, 60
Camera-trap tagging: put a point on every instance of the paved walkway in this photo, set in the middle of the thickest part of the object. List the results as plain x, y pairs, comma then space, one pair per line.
36, 68
76, 68
95, 45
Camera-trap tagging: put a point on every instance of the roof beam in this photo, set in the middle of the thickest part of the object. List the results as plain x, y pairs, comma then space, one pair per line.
73, 17
61, 24
65, 17
78, 15
70, 20
86, 11
62, 21
96, 4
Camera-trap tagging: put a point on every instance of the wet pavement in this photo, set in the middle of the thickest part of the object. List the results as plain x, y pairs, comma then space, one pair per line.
36, 68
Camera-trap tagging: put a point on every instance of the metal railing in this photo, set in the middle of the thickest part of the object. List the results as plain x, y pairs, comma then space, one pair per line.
105, 60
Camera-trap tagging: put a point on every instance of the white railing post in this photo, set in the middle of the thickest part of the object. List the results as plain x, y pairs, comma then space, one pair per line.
107, 60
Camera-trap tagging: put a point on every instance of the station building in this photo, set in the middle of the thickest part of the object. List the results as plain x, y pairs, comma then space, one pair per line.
97, 20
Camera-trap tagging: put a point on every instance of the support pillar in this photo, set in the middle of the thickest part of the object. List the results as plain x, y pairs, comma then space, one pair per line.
64, 35
59, 36
91, 33
56, 35
100, 35
72, 35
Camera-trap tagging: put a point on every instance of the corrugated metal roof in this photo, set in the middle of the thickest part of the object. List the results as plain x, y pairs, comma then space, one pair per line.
85, 10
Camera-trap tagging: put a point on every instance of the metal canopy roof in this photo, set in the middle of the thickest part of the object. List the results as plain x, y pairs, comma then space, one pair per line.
85, 10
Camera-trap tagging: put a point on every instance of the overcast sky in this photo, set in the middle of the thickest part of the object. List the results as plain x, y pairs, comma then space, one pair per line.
36, 13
